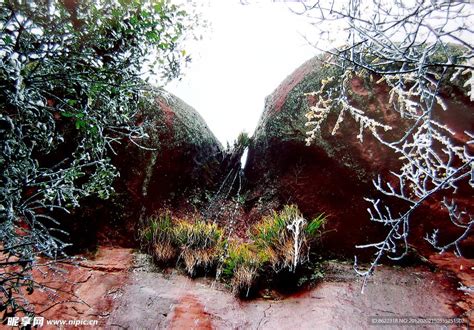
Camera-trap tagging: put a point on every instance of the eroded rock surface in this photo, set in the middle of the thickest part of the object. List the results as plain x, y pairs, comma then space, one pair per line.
122, 289
154, 300
84, 290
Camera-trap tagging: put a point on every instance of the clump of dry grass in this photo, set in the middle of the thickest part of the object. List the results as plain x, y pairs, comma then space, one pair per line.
197, 243
157, 235
242, 265
244, 279
164, 252
200, 244
199, 258
285, 237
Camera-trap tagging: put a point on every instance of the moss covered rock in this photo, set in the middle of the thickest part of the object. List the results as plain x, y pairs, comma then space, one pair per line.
335, 172
178, 161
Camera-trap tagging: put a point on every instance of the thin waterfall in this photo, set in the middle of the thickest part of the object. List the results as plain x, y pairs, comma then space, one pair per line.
226, 202
243, 159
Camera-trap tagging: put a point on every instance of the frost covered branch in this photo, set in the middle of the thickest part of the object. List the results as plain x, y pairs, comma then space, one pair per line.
416, 49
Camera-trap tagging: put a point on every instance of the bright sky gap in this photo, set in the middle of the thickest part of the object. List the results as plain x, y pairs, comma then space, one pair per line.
246, 53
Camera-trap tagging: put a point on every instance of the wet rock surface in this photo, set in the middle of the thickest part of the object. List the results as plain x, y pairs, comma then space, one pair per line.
86, 289
463, 270
156, 300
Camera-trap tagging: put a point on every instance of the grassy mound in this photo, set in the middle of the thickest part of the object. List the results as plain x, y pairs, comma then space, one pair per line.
279, 242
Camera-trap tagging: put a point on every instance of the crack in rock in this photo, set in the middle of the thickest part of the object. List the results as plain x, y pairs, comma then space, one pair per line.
264, 317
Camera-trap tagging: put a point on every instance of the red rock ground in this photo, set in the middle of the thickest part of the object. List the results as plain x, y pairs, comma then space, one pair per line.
124, 290
189, 313
156, 300
87, 290
463, 269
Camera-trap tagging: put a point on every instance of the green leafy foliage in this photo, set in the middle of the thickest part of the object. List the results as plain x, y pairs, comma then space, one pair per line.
271, 230
313, 227
72, 78
243, 140
159, 229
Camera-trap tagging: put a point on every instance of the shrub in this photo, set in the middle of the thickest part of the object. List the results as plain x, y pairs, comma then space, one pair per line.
286, 237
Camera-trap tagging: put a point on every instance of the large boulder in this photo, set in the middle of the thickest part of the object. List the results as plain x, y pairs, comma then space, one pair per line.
335, 172
178, 161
